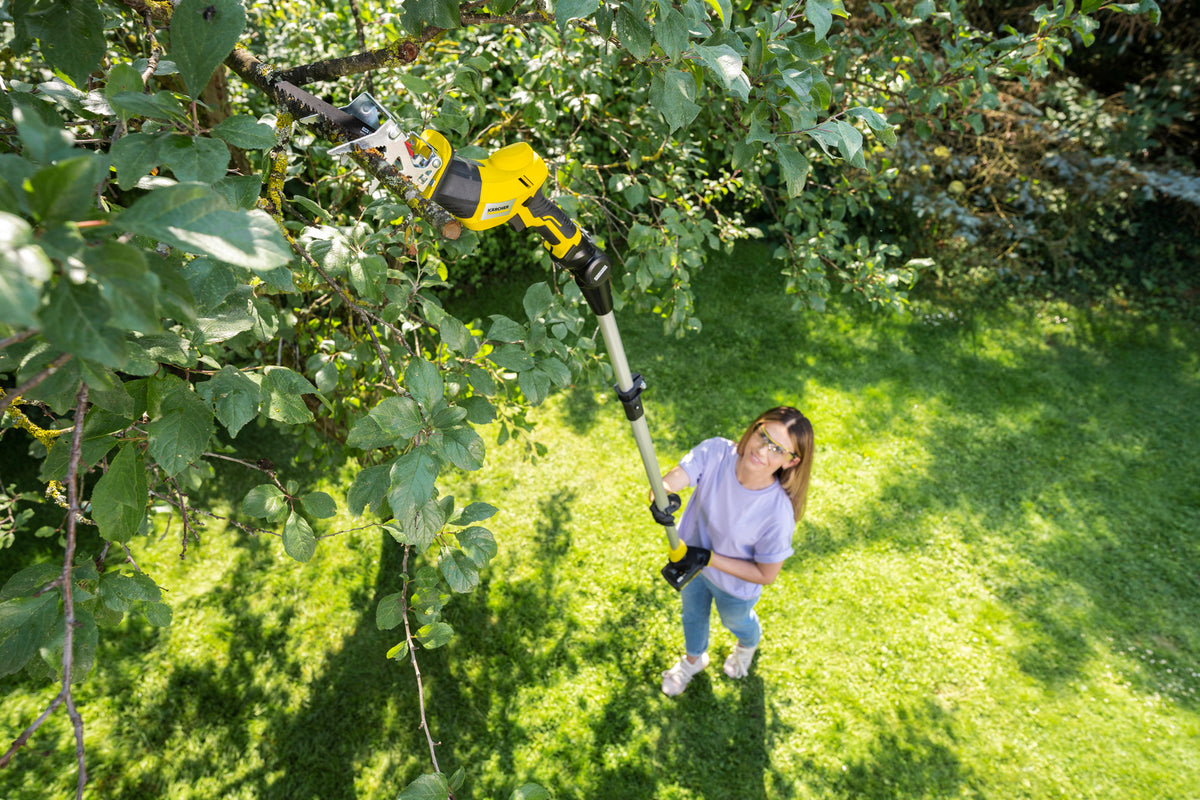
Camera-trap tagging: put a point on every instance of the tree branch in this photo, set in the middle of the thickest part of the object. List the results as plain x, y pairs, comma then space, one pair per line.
6, 400
66, 587
16, 337
69, 623
322, 117
412, 652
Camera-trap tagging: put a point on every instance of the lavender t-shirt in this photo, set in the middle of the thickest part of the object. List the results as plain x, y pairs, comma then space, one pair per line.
727, 518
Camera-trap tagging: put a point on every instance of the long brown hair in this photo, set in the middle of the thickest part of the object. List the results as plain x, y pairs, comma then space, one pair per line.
793, 479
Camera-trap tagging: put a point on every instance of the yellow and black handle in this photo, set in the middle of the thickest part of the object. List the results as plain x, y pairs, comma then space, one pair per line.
506, 187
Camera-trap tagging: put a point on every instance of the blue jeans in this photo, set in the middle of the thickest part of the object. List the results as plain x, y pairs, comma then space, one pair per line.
736, 614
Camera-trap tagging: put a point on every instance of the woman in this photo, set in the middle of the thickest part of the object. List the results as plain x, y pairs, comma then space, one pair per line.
748, 498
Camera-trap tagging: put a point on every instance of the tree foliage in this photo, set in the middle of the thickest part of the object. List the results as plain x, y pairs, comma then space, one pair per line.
180, 256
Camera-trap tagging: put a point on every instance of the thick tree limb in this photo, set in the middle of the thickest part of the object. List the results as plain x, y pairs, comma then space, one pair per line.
326, 120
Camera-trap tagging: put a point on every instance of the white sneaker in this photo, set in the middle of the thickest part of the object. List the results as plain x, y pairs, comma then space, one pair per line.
738, 662
676, 679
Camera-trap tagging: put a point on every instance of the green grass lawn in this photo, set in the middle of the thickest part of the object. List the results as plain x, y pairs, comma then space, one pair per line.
995, 593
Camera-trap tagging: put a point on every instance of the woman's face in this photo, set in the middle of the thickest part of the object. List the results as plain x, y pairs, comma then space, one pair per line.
770, 447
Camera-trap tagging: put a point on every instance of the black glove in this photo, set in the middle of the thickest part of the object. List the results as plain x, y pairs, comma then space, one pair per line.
678, 573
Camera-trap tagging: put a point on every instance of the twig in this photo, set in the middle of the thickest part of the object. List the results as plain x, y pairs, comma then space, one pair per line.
184, 509
412, 652
16, 337
368, 316
63, 582
36, 380
183, 516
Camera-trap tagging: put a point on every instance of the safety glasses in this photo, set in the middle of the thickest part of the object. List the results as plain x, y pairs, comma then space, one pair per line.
772, 446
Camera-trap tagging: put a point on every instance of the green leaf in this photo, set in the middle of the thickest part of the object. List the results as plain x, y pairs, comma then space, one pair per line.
726, 64
448, 417
428, 523
160, 105
462, 447
416, 84
240, 191
633, 32
298, 539
671, 33
478, 543
127, 285
282, 394
390, 611
71, 34
480, 380
157, 614
74, 321
850, 144
234, 395
180, 435
673, 94
879, 124
818, 13
530, 791
456, 336
388, 424
476, 512
196, 219
266, 501
121, 592
399, 652
30, 580
504, 329
65, 192
434, 635
235, 315
724, 10
795, 168
122, 78
41, 130
24, 267
319, 504
559, 372
424, 382
25, 624
120, 497
367, 274
194, 158
567, 10
427, 787
369, 490
480, 410
535, 384
538, 300
411, 482
438, 13
460, 571
203, 33
246, 132
923, 9
511, 357
210, 282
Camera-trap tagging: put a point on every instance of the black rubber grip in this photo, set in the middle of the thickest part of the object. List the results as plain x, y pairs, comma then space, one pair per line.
541, 207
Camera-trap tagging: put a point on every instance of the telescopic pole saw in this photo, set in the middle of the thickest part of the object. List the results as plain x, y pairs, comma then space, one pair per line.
506, 188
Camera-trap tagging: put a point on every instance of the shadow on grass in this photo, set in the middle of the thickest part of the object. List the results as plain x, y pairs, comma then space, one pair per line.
911, 755
536, 643
229, 719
